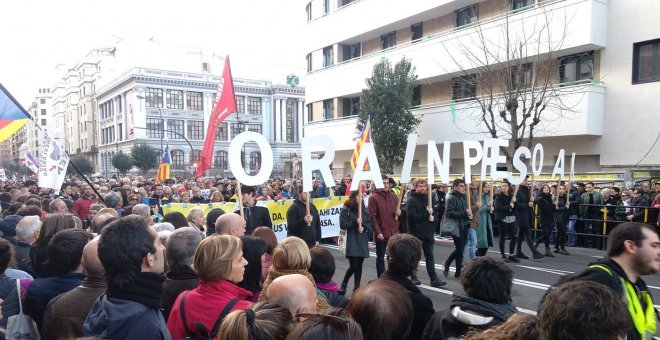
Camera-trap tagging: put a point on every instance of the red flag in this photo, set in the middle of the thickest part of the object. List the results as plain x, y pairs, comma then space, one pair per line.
223, 108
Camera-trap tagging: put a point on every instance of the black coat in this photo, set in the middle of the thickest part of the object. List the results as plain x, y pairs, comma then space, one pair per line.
422, 305
255, 217
546, 210
296, 225
503, 207
176, 283
522, 209
444, 325
418, 216
357, 244
457, 208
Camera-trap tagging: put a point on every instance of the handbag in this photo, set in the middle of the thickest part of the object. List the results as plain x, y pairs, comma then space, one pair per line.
341, 242
449, 226
21, 326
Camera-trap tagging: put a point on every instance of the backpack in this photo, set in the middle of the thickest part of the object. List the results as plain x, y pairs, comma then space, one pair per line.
202, 333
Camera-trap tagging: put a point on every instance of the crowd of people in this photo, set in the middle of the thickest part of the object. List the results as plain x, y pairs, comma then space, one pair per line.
102, 260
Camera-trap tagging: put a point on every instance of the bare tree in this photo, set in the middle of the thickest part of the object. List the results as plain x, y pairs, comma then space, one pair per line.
508, 77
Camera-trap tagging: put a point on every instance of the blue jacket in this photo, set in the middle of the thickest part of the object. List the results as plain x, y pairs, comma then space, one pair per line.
41, 291
8, 226
125, 319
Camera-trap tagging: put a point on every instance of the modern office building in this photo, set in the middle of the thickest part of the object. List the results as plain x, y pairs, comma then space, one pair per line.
603, 70
166, 107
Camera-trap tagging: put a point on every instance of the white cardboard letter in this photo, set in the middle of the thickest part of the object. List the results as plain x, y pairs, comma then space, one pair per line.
519, 165
494, 158
433, 160
559, 166
235, 158
408, 159
538, 150
367, 154
469, 160
321, 164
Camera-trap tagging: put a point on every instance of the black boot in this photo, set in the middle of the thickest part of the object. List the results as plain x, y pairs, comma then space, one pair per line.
342, 290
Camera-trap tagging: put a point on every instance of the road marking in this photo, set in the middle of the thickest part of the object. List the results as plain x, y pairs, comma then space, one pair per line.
525, 283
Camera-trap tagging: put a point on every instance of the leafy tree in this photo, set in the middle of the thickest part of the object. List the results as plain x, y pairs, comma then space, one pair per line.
387, 100
122, 162
84, 165
144, 157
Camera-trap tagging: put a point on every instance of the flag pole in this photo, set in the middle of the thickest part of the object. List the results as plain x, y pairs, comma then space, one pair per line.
239, 198
87, 181
396, 218
307, 209
359, 195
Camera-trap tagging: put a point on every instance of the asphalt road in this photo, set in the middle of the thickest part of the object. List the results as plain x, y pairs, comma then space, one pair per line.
531, 277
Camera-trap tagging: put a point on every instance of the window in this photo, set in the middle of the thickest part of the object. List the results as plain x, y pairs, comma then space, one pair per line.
255, 160
154, 128
220, 160
326, 7
466, 15
416, 96
120, 129
254, 105
328, 109
463, 87
175, 128
43, 112
518, 4
521, 76
196, 129
310, 113
309, 63
351, 106
308, 9
120, 104
43, 122
222, 132
345, 2
177, 159
195, 156
416, 31
352, 51
194, 101
291, 114
328, 56
254, 128
576, 67
42, 101
240, 104
174, 99
154, 97
388, 40
236, 128
646, 61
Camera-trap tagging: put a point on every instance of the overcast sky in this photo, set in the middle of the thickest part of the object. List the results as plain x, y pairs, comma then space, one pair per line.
264, 38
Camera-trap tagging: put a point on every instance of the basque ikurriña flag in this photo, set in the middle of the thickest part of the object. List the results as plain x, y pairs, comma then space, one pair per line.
225, 106
164, 167
365, 137
12, 115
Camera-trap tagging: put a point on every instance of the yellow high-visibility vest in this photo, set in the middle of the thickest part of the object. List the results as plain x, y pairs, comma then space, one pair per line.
644, 320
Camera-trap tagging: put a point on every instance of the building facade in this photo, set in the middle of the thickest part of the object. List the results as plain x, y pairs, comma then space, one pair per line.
604, 72
161, 107
41, 111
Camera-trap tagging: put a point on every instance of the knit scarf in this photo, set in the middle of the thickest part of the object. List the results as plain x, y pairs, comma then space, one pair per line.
147, 289
321, 303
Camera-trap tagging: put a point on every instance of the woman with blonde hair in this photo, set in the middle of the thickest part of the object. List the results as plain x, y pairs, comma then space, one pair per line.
292, 256
264, 320
220, 266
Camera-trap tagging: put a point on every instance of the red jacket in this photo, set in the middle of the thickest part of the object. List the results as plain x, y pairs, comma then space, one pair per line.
81, 206
382, 208
204, 304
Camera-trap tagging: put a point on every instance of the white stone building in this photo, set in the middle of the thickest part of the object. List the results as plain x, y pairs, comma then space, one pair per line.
607, 68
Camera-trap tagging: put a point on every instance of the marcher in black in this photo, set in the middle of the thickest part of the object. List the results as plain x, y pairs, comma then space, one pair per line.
458, 213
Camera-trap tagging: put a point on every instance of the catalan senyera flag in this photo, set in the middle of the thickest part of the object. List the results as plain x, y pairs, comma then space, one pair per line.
164, 167
365, 137
12, 115
225, 106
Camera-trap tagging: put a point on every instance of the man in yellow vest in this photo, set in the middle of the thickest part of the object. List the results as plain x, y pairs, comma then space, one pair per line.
633, 250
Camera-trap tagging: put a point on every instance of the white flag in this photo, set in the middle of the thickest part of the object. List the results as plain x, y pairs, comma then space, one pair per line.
53, 162
31, 163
